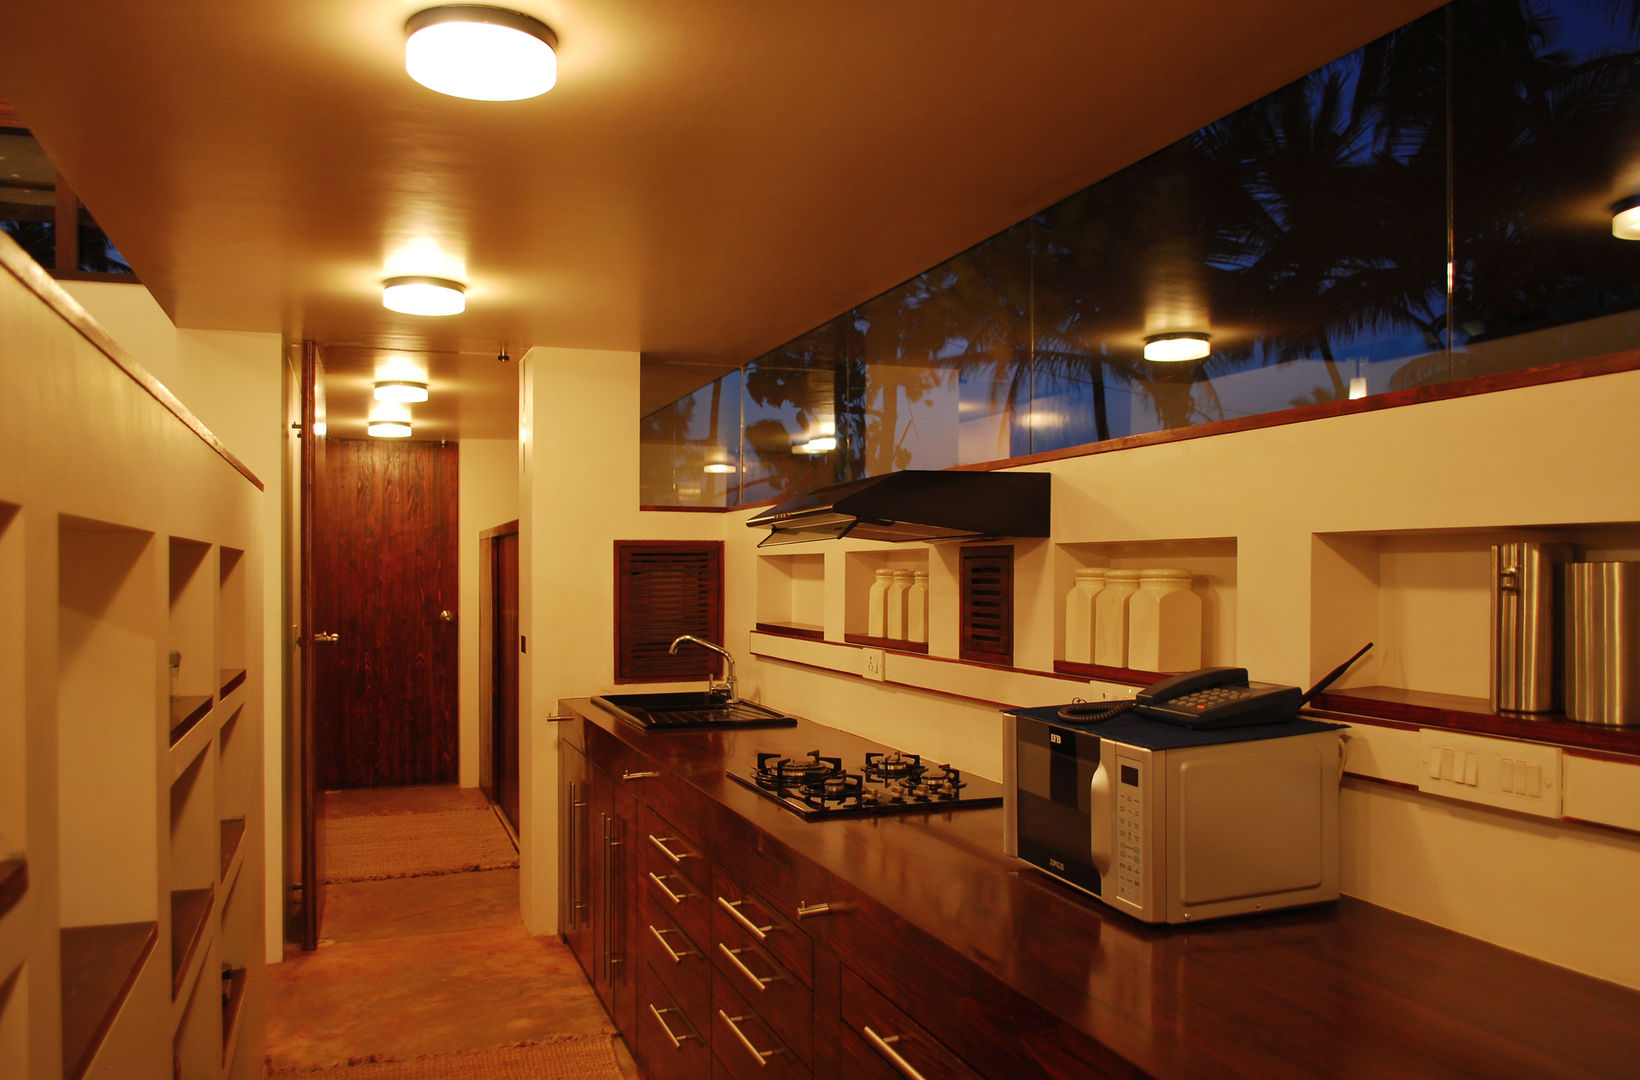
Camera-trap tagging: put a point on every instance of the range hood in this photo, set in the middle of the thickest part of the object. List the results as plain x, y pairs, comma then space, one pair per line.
913, 505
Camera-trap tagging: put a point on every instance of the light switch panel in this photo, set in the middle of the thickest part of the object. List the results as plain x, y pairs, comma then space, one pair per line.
1494, 772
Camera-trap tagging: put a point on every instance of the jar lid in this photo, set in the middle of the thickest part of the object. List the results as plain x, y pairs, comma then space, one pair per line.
1121, 575
885, 575
1165, 574
1087, 573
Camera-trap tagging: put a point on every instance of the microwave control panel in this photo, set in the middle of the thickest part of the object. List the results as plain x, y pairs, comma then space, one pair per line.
1130, 829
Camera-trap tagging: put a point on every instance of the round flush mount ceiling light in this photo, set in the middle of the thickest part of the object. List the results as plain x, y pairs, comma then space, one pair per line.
402, 391
719, 467
482, 53
1172, 348
388, 429
1626, 218
418, 294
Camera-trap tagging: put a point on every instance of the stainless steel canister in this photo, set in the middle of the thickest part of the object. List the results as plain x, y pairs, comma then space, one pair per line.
1526, 657
1603, 642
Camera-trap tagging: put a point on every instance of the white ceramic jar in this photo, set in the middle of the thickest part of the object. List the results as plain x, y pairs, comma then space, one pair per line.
896, 604
1089, 582
1110, 618
877, 604
916, 607
1165, 623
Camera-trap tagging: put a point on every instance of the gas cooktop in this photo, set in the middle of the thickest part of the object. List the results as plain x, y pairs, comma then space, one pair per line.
884, 783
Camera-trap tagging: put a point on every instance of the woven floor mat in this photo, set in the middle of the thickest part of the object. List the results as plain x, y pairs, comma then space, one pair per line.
376, 847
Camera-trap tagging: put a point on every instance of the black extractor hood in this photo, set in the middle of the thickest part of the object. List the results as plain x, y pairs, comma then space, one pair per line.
913, 505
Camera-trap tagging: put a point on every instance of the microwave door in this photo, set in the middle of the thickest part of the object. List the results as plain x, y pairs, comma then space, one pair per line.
1054, 770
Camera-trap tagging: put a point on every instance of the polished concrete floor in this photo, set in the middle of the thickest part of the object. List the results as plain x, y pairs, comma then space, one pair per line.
424, 965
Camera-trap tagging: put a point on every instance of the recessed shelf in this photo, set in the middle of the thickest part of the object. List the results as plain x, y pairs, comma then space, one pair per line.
1212, 565
233, 995
791, 593
190, 908
233, 831
99, 967
229, 680
13, 883
1460, 713
186, 712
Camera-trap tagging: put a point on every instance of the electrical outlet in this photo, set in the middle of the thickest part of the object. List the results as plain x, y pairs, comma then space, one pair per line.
871, 664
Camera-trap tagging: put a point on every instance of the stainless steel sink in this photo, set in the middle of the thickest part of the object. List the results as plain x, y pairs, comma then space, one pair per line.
690, 709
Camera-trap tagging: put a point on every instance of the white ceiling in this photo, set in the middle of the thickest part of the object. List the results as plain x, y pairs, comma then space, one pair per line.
708, 179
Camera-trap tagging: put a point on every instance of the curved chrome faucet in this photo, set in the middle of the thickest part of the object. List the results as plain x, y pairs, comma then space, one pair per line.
712, 687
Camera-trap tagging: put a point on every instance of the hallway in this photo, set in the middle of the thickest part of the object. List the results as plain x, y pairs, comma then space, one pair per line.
419, 966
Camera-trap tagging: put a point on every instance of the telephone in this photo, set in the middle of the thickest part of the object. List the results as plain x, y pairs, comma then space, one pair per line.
1219, 697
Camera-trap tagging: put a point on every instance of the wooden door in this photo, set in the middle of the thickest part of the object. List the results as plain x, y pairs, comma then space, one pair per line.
388, 585
505, 689
310, 639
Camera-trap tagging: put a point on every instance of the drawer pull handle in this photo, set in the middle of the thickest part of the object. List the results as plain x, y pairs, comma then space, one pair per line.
761, 1056
762, 984
638, 775
660, 1018
660, 936
733, 908
661, 842
660, 883
809, 911
890, 1055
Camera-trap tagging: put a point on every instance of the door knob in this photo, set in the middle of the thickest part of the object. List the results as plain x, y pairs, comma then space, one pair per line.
326, 639
446, 615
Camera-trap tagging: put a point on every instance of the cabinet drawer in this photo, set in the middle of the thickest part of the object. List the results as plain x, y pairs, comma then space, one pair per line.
678, 960
782, 1002
877, 1033
674, 892
668, 850
671, 1044
740, 917
744, 1043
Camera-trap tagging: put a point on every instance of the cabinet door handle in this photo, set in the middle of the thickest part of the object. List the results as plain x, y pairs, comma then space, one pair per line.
759, 983
890, 1055
661, 842
809, 911
761, 1056
677, 957
638, 775
660, 883
660, 1018
733, 908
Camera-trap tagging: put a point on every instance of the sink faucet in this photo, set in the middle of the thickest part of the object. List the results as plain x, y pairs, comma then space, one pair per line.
728, 684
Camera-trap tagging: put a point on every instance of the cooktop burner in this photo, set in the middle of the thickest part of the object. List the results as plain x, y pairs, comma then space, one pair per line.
885, 783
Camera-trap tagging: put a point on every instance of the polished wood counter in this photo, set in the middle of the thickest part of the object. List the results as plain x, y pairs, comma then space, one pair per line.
1020, 976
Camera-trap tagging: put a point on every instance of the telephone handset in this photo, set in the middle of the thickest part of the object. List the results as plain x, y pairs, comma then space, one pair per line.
1219, 697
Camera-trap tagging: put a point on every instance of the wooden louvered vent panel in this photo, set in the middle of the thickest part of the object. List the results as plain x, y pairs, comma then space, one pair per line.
664, 588
988, 605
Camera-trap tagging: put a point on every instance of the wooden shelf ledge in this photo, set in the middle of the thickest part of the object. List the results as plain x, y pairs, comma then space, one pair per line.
100, 965
233, 831
891, 644
230, 679
233, 994
190, 909
1421, 708
1104, 673
13, 883
186, 712
809, 631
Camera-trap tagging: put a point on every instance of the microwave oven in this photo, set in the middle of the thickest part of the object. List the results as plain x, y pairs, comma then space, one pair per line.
1176, 825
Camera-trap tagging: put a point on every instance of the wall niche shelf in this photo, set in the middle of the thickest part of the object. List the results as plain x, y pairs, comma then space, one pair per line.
791, 595
1212, 565
100, 965
13, 883
1424, 598
190, 910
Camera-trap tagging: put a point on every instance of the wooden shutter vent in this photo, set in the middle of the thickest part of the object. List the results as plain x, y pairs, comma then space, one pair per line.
988, 605
664, 588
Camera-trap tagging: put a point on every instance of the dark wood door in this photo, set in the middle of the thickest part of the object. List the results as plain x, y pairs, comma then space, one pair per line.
505, 689
388, 587
310, 639
578, 848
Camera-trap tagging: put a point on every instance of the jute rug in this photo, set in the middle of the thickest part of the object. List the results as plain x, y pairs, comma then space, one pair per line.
375, 847
570, 1057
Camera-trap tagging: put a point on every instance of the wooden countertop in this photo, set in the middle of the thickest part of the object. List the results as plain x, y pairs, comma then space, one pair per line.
1341, 989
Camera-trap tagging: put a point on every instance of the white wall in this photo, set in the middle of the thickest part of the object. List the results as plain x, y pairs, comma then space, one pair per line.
232, 382
1462, 472
489, 497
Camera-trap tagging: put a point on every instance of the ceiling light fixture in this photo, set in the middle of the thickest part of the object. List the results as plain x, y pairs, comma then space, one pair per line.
402, 390
1626, 218
419, 294
388, 429
482, 53
719, 467
1172, 348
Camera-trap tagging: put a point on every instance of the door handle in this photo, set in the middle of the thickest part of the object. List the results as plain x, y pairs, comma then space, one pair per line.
446, 615
326, 639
